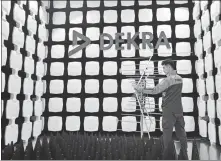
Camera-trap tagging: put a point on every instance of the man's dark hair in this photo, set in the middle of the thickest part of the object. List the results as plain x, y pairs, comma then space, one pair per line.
169, 62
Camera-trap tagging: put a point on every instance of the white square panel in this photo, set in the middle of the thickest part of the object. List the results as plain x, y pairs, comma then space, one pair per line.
92, 51
76, 17
56, 86
203, 128
3, 82
160, 2
163, 14
126, 30
189, 123
73, 123
201, 104
54, 123
43, 14
215, 9
38, 108
181, 14
28, 86
149, 65
76, 4
43, 34
74, 86
15, 60
144, 3
57, 51
4, 55
129, 124
187, 103
201, 87
184, 67
27, 108
143, 29
59, 4
127, 16
110, 104
148, 52
91, 86
197, 29
12, 109
183, 49
18, 37
19, 14
14, 84
208, 62
110, 53
110, 123
127, 3
180, 2
218, 84
11, 134
110, 3
41, 51
126, 86
33, 6
128, 104
196, 11
216, 32
40, 69
55, 104
127, 68
26, 131
110, 86
164, 51
187, 85
111, 30
74, 68
92, 68
217, 57
182, 31
198, 47
164, 28
75, 55
91, 123
93, 16
93, 4
59, 18
110, 68
212, 132
110, 16
37, 128
76, 29
58, 34
210, 85
149, 124
91, 105
211, 108
30, 44
205, 19
93, 33
128, 53
5, 30
145, 15
73, 104
57, 69
6, 6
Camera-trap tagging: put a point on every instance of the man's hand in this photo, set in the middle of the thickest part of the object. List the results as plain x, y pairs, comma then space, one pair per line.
138, 89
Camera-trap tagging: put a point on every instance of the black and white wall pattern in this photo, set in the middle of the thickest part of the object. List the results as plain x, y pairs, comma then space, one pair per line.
23, 52
87, 91
44, 90
208, 66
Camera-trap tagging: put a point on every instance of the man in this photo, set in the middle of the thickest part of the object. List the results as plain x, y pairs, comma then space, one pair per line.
171, 89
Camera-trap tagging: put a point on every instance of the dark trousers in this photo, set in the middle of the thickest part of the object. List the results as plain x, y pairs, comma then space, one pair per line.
169, 121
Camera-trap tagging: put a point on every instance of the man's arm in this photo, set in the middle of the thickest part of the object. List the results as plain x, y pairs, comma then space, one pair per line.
159, 88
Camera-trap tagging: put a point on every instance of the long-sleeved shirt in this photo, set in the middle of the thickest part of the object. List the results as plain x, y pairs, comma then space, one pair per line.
171, 89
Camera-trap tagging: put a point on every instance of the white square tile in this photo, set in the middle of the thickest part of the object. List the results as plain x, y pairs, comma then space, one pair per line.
110, 104
91, 105
91, 86
73, 104
91, 123
110, 86
74, 86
